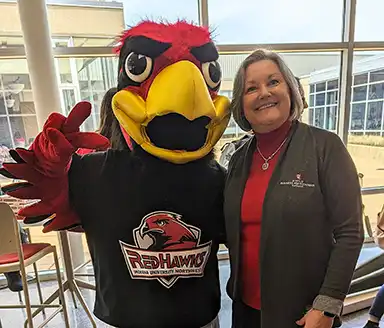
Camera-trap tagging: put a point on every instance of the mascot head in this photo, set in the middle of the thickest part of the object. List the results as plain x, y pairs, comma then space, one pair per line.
167, 99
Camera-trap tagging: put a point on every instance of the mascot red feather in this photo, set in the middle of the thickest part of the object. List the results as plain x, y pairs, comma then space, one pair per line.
153, 215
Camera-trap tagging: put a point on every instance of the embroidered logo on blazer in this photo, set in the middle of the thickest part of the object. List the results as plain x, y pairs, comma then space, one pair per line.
166, 249
298, 182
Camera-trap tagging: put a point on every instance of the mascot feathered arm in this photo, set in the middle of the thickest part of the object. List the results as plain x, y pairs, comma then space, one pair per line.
44, 168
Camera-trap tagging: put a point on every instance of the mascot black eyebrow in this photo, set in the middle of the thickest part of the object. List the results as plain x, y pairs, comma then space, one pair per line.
152, 216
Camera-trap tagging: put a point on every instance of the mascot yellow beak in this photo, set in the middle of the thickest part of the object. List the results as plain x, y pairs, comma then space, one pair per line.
178, 89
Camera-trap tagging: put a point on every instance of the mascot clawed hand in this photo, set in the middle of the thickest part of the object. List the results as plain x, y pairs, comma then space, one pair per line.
153, 215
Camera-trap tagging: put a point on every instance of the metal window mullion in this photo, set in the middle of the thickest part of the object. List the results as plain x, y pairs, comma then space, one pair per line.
325, 116
6, 111
346, 69
61, 95
203, 12
75, 79
382, 118
366, 109
91, 99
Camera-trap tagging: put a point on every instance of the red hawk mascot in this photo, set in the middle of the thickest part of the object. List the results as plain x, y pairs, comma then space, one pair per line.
152, 215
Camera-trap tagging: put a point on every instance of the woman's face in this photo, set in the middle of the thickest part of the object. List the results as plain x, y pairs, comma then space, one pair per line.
266, 99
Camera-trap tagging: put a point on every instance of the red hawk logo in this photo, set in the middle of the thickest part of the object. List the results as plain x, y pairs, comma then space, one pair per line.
168, 232
166, 249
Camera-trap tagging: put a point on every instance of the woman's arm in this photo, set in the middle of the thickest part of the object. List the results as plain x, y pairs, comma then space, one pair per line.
342, 197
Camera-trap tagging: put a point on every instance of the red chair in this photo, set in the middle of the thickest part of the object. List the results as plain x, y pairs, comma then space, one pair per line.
15, 256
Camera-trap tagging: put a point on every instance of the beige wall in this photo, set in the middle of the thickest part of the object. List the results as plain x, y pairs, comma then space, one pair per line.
68, 20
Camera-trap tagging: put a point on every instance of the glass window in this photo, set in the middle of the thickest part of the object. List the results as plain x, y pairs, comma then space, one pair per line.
319, 117
300, 21
5, 134
2, 104
320, 87
365, 145
331, 85
64, 67
360, 79
85, 96
320, 99
69, 100
376, 91
376, 76
24, 129
310, 116
311, 100
97, 74
368, 12
84, 85
312, 88
332, 97
16, 104
97, 99
232, 123
375, 115
359, 93
27, 107
331, 117
15, 76
358, 116
170, 10
95, 77
13, 106
88, 124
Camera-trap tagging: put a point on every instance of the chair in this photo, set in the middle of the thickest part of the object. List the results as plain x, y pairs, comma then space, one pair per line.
16, 257
16, 204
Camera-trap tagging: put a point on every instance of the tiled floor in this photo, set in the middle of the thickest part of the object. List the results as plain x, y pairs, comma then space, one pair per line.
78, 318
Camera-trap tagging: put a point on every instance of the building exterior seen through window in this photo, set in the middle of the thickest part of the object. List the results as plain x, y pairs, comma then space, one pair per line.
367, 114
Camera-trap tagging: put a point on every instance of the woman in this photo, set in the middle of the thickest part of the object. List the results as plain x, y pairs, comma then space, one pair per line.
292, 205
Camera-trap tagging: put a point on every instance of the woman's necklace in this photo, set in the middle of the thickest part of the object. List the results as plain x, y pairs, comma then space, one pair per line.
266, 160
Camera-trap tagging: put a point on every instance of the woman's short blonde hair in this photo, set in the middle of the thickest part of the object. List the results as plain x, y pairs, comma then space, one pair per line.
238, 87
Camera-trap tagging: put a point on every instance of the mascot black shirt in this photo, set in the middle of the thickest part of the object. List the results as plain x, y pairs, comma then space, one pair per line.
153, 230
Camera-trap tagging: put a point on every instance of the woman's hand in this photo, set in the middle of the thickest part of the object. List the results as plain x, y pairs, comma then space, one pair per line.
315, 319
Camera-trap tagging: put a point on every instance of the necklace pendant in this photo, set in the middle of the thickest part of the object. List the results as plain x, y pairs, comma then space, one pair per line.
265, 166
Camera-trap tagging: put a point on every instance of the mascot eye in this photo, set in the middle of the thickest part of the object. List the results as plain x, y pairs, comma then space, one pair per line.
212, 73
138, 67
161, 223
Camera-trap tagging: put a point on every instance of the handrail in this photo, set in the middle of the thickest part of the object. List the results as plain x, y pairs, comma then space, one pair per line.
372, 190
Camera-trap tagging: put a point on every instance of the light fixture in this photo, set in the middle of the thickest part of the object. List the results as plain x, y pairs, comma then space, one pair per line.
15, 88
